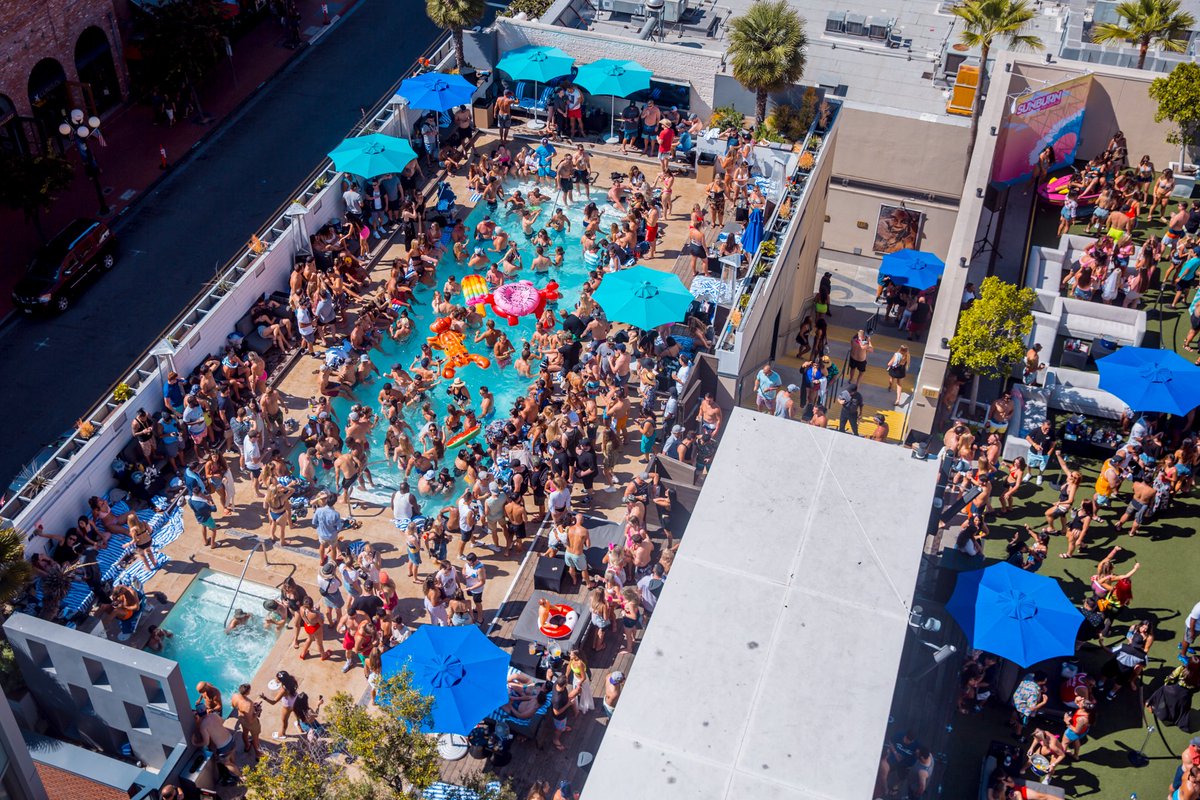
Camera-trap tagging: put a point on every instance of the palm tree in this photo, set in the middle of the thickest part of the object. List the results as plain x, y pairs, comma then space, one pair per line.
766, 49
15, 571
1147, 22
985, 21
453, 16
33, 181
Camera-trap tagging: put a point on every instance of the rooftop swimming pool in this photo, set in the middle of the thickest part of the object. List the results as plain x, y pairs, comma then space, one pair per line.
201, 646
503, 382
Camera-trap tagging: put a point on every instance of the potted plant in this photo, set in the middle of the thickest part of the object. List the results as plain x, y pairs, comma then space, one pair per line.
814, 144
85, 429
122, 393
824, 116
807, 162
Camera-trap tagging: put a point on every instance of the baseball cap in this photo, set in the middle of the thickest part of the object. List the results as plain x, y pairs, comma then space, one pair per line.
677, 429
793, 387
354, 416
645, 476
616, 677
430, 475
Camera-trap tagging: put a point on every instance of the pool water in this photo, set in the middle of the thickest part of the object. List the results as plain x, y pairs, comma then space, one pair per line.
504, 383
201, 646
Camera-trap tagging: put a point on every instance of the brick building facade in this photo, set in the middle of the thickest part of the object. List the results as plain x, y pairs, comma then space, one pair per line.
56, 55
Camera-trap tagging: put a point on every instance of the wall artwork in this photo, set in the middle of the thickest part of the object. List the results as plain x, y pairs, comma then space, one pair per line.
897, 228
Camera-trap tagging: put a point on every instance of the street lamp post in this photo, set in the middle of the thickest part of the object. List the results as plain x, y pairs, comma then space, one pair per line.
79, 128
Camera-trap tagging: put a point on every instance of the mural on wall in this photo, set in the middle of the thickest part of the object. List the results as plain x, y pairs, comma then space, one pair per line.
897, 228
1051, 116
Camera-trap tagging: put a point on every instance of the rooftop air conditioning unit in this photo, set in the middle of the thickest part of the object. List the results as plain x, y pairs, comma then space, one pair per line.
856, 25
625, 7
835, 22
673, 10
878, 27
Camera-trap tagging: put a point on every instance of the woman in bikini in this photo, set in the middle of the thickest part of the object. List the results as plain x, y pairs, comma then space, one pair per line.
284, 695
142, 541
103, 514
716, 202
313, 622
276, 504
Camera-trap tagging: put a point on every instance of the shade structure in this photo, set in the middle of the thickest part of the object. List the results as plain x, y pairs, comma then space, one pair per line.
533, 63
537, 64
912, 268
643, 297
753, 234
372, 155
1018, 615
1151, 380
615, 77
463, 670
436, 91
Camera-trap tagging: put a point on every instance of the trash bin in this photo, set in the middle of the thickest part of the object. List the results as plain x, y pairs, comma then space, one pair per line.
481, 111
706, 168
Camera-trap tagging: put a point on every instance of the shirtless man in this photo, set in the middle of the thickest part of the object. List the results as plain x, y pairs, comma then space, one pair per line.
357, 428
860, 347
212, 734
1033, 365
346, 470
643, 551
486, 228
1139, 506
271, 403
652, 218
366, 368
1000, 413
514, 523
503, 109
540, 262
248, 713
578, 540
710, 414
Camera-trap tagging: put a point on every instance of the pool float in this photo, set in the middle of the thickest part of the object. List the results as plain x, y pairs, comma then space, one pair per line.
556, 620
519, 298
475, 292
460, 438
450, 342
1055, 191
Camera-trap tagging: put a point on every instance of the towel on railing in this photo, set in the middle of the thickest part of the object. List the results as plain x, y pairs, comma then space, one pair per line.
451, 791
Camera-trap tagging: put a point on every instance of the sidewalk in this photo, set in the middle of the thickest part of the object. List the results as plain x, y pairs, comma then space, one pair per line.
130, 162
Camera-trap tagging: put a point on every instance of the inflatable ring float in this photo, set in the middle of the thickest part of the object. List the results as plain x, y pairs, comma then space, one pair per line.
510, 301
559, 621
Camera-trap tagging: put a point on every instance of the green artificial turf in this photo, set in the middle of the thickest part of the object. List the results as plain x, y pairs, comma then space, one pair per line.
1165, 589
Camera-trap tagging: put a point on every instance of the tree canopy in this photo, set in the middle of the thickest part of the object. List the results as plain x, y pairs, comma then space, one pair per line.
991, 333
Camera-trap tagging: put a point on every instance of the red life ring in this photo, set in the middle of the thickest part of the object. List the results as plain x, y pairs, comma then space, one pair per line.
562, 629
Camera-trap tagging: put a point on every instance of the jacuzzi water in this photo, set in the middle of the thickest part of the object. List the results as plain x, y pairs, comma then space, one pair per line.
504, 383
201, 646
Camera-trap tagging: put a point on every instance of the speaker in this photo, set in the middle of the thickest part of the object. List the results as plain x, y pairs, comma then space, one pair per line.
548, 575
991, 198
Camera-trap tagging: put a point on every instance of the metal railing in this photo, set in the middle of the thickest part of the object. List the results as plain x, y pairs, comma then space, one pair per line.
145, 366
259, 544
775, 229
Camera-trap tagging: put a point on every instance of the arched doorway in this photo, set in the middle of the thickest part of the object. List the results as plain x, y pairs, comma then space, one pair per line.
48, 94
94, 63
12, 138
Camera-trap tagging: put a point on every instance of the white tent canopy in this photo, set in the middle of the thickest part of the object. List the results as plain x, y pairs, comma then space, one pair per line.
768, 668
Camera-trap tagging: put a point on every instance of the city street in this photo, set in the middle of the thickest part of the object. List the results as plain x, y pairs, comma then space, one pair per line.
197, 219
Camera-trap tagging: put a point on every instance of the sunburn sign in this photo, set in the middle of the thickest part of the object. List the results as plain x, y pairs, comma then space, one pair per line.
1038, 102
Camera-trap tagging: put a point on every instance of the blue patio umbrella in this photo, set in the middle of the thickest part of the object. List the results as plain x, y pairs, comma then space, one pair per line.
614, 77
1018, 615
753, 234
1151, 380
372, 155
643, 297
463, 670
435, 91
537, 64
912, 268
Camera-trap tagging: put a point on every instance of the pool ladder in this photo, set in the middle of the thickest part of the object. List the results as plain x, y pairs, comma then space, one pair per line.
259, 544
